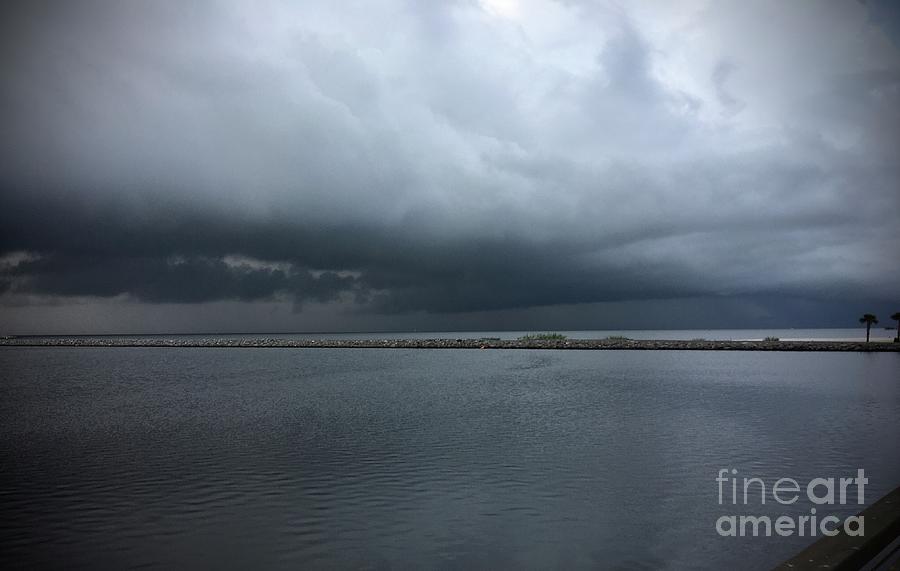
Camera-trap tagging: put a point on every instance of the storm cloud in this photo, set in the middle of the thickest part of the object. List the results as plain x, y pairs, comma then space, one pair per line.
390, 157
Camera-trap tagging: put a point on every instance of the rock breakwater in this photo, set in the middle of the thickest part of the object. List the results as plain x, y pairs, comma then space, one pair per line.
574, 344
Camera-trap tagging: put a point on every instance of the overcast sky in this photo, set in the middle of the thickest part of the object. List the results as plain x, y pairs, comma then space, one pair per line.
395, 164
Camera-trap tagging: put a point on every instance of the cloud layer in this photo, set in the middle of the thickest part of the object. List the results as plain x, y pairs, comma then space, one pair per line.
448, 157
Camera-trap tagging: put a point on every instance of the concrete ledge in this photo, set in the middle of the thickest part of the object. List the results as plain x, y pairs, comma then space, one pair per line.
876, 550
578, 344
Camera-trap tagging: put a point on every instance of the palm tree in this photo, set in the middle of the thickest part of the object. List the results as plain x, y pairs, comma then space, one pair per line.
896, 317
869, 320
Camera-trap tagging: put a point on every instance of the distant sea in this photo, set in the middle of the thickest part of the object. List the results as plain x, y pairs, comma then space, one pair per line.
364, 458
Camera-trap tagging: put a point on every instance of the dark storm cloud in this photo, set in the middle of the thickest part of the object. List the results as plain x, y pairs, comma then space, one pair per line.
446, 157
173, 280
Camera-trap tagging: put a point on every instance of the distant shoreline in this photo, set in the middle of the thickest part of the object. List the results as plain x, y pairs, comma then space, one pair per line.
569, 344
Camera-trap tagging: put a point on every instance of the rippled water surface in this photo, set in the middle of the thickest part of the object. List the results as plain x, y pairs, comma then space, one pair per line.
237, 458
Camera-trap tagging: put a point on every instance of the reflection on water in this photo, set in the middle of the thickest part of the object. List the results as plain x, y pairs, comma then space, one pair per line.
368, 458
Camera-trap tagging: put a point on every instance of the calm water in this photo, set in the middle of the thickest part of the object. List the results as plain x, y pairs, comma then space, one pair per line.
407, 459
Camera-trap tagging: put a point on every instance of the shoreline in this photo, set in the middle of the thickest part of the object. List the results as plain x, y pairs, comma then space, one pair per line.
567, 344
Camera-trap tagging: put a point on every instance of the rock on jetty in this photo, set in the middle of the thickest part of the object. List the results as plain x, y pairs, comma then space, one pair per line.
582, 344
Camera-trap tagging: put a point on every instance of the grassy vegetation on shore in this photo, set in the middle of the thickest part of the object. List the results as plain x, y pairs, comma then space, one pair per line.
543, 337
